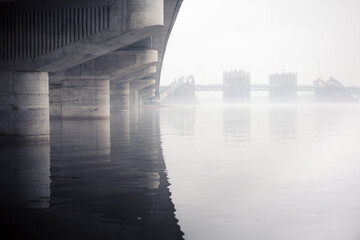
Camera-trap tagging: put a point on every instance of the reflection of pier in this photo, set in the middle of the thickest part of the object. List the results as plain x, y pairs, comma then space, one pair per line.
97, 179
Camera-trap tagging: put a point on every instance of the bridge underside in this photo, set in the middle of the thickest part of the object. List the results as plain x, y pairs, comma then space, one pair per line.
78, 59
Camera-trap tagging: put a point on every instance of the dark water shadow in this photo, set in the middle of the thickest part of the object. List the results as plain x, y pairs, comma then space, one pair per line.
96, 180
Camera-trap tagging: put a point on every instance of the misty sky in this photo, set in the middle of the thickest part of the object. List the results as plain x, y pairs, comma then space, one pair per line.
310, 37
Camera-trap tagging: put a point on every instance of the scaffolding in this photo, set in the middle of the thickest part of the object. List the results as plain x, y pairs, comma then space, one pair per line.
236, 86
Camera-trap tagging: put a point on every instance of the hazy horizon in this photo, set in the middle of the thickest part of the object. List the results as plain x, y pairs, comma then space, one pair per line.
312, 38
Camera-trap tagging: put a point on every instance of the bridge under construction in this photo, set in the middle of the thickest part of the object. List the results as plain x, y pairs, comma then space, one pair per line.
237, 87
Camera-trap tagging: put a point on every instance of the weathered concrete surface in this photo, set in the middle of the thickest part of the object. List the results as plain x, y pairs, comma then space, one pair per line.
70, 98
24, 104
80, 99
143, 72
120, 96
146, 93
160, 39
134, 98
113, 65
63, 36
120, 88
76, 32
85, 99
140, 88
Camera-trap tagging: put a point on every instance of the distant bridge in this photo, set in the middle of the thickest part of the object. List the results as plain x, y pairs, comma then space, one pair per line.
184, 88
253, 87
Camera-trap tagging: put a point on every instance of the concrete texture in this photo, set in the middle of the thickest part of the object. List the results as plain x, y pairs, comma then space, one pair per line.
139, 89
113, 65
142, 72
74, 40
71, 91
85, 99
76, 32
134, 98
120, 96
24, 104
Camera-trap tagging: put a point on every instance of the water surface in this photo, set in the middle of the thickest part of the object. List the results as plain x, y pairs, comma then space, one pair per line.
95, 180
189, 172
264, 171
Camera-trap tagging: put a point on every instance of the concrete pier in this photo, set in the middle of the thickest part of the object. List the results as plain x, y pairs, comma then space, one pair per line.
24, 105
139, 89
82, 91
86, 99
120, 96
79, 46
134, 98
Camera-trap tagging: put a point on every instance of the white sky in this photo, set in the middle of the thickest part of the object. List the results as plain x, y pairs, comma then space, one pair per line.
265, 36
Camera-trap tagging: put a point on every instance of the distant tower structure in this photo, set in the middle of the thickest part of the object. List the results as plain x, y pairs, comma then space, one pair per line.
283, 86
236, 86
181, 91
331, 90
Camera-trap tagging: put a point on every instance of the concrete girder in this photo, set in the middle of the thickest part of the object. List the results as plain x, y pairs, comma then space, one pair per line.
120, 88
113, 65
160, 39
141, 84
95, 28
136, 92
119, 96
84, 90
24, 105
146, 93
144, 72
57, 35
85, 99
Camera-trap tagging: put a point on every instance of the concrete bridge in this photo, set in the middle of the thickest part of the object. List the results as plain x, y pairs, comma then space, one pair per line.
78, 59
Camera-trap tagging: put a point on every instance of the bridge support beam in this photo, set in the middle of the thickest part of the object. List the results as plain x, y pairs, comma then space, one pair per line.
138, 89
24, 106
134, 98
86, 99
119, 99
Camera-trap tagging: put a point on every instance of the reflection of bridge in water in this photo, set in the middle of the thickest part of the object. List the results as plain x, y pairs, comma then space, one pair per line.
96, 179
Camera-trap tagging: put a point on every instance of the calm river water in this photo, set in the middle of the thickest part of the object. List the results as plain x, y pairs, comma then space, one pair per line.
255, 172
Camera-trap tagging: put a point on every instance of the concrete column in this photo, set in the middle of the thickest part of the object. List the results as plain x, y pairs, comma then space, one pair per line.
85, 99
137, 91
134, 98
24, 105
146, 93
144, 13
119, 99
